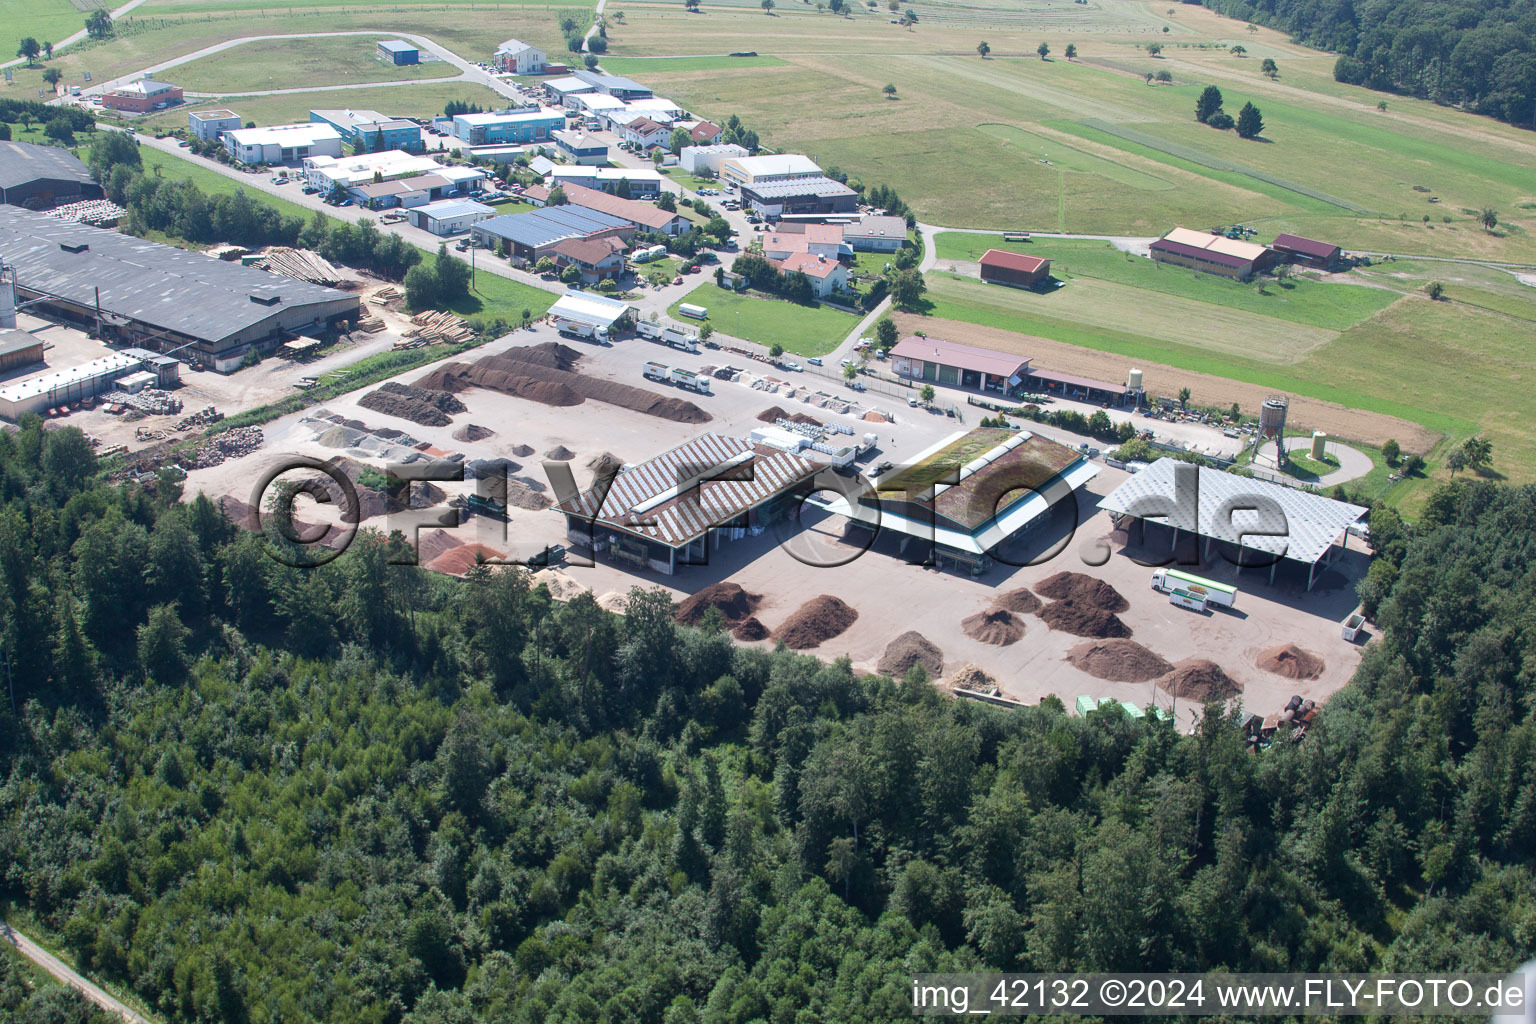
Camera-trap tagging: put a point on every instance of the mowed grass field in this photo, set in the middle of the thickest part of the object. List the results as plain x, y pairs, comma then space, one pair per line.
803, 330
298, 64
421, 99
43, 20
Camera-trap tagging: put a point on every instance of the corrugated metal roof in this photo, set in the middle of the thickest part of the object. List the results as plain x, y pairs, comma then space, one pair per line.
1216, 243
1307, 246
588, 308
822, 188
1012, 260
966, 357
21, 162
538, 228
1195, 252
1300, 526
691, 505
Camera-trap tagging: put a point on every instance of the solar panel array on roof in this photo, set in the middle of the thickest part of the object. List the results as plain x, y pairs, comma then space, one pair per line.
538, 228
1290, 523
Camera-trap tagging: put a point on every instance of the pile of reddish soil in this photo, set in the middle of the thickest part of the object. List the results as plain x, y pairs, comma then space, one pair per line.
547, 374
428, 406
458, 561
1199, 679
1290, 661
815, 622
433, 543
473, 432
1083, 620
969, 677
735, 604
1123, 661
1084, 589
560, 453
750, 629
911, 648
993, 626
607, 462
772, 414
1021, 602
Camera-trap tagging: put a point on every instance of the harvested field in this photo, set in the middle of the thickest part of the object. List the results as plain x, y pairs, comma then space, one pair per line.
547, 374
735, 604
1121, 661
1199, 679
1290, 661
1083, 620
969, 677
1021, 602
473, 432
750, 628
560, 453
1084, 589
815, 622
458, 561
427, 406
994, 626
1312, 413
908, 649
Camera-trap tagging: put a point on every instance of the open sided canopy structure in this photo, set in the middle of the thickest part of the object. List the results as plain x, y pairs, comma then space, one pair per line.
585, 308
1253, 514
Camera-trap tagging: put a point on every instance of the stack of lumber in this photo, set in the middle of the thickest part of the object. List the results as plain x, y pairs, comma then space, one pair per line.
435, 325
300, 264
369, 324
384, 296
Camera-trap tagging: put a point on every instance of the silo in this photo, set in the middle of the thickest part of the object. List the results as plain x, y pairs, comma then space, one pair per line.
1133, 381
1272, 426
1319, 445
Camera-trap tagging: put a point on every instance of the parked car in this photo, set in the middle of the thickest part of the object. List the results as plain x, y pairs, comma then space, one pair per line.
793, 366
677, 280
814, 360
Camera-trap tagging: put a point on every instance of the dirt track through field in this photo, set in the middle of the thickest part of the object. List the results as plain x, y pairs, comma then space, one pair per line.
1306, 413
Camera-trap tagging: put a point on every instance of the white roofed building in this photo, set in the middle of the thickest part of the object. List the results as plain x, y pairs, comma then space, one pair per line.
751, 170
708, 158
283, 143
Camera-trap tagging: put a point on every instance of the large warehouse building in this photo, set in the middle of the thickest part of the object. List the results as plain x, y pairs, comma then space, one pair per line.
42, 177
659, 515
998, 266
799, 197
1211, 254
533, 234
965, 366
128, 290
1264, 524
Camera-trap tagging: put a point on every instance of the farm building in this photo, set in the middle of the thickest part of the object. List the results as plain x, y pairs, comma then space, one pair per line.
645, 216
751, 170
876, 234
534, 234
1308, 251
961, 499
1211, 254
378, 131
998, 266
818, 195
949, 362
398, 51
1081, 389
610, 179
597, 258
450, 216
42, 177
706, 159
506, 126
617, 86
1259, 524
283, 143
18, 348
208, 125
129, 290
670, 510
581, 148
142, 96
519, 58
826, 275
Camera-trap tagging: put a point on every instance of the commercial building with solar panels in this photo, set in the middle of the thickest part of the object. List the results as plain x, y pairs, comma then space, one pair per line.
1253, 518
661, 513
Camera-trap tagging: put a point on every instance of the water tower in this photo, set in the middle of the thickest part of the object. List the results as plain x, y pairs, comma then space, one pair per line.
1272, 427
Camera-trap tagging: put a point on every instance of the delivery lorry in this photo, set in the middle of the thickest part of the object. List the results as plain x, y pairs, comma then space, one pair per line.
587, 332
690, 380
676, 337
655, 371
1170, 581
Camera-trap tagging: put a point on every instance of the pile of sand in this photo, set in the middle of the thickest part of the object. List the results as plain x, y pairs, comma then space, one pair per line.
969, 677
459, 560
735, 604
520, 495
547, 374
473, 432
562, 586
815, 622
1084, 589
1021, 602
1199, 679
560, 453
428, 406
1122, 661
750, 628
613, 601
908, 649
993, 626
432, 543
1083, 620
1290, 661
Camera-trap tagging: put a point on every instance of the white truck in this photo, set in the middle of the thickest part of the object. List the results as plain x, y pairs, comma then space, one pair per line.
676, 337
1177, 583
690, 380
655, 371
574, 329
868, 442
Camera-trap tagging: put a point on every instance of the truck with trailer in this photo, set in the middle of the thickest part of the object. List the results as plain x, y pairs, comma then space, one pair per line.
655, 371
690, 380
587, 332
676, 337
1175, 581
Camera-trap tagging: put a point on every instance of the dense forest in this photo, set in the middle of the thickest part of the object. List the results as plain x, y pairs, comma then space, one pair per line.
366, 793
1479, 54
